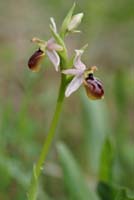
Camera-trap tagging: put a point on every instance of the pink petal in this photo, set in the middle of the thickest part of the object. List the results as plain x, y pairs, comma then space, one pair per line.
50, 41
74, 85
54, 46
77, 60
51, 45
72, 72
54, 58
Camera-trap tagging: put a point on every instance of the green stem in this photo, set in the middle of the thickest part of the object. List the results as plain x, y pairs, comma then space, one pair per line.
32, 193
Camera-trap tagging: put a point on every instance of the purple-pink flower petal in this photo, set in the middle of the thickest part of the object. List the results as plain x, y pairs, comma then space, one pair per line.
74, 85
77, 60
51, 45
72, 72
54, 58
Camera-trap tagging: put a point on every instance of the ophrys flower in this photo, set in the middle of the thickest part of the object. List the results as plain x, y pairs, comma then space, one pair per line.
85, 76
50, 48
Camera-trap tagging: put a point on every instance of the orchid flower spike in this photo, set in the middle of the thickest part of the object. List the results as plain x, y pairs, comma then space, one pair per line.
83, 75
50, 48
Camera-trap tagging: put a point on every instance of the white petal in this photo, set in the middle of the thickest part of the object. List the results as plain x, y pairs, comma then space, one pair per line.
54, 58
74, 85
75, 21
72, 71
77, 60
53, 24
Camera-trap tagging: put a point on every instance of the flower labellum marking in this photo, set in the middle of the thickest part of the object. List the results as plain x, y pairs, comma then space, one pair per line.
93, 86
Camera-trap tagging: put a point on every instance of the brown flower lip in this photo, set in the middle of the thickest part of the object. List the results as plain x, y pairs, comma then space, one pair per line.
93, 87
35, 59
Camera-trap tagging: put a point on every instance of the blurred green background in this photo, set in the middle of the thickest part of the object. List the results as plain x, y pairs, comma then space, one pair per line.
96, 157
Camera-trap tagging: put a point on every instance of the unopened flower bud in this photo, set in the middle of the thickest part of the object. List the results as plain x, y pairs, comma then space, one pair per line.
75, 21
93, 87
35, 59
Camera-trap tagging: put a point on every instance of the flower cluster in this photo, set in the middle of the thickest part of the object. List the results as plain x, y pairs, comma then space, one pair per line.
53, 49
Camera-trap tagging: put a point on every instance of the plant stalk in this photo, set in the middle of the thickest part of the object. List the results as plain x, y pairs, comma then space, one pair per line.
32, 193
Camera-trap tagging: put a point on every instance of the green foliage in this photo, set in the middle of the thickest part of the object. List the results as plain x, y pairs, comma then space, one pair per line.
112, 192
122, 195
73, 176
106, 191
107, 161
96, 127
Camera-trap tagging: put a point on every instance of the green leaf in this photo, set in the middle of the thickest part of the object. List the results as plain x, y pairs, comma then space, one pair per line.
112, 192
106, 162
95, 127
67, 21
13, 169
106, 191
74, 179
122, 195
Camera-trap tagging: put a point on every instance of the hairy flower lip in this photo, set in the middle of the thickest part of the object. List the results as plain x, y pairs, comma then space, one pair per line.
35, 59
94, 88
